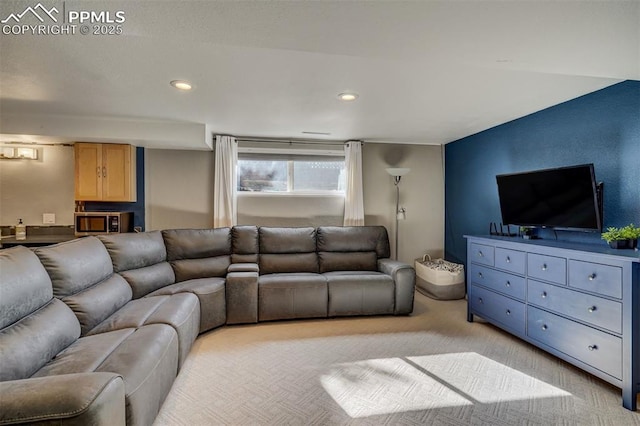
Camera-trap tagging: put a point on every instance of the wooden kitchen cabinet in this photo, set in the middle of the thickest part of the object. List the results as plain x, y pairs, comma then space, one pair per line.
105, 172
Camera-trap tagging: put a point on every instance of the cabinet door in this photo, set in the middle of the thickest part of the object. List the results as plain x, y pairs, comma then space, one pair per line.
116, 173
88, 171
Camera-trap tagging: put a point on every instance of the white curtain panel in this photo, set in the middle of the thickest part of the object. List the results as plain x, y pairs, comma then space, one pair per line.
354, 199
224, 185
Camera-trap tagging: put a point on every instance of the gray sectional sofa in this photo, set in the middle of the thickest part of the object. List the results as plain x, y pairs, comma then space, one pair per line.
94, 331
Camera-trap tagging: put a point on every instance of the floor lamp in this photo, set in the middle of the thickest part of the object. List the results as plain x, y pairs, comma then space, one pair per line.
397, 173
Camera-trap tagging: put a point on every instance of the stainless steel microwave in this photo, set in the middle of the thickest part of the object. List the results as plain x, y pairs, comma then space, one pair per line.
98, 223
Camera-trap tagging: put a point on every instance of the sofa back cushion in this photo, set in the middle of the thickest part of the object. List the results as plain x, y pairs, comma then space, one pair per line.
287, 250
355, 248
83, 278
198, 253
141, 259
245, 244
34, 327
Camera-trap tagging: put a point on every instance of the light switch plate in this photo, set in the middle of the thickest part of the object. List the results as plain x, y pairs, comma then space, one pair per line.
48, 218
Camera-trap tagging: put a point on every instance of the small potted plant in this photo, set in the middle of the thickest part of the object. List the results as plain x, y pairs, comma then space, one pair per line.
622, 238
631, 233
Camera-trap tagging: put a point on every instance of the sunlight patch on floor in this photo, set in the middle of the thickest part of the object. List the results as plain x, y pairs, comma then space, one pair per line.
392, 385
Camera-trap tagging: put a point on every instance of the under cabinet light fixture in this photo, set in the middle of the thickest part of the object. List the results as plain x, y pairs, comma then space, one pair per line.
181, 84
19, 153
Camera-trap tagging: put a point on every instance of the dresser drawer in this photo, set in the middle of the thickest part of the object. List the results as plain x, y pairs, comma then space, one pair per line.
594, 310
481, 254
597, 278
547, 268
596, 348
508, 312
510, 260
511, 285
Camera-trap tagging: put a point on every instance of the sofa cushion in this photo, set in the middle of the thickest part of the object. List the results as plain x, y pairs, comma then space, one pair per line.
180, 311
135, 250
210, 293
83, 278
75, 265
198, 253
288, 296
288, 263
348, 261
287, 240
354, 239
286, 250
149, 278
366, 293
26, 286
33, 341
99, 302
245, 244
34, 326
197, 243
146, 357
141, 259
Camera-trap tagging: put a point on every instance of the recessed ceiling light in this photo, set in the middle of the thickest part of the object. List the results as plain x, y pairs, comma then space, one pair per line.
348, 97
181, 84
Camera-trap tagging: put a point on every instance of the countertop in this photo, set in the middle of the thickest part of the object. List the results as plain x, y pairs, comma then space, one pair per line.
35, 240
37, 236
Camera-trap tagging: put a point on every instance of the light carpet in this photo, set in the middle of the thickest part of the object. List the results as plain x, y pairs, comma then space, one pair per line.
430, 368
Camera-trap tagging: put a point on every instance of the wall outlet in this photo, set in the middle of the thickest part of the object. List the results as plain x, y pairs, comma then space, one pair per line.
48, 218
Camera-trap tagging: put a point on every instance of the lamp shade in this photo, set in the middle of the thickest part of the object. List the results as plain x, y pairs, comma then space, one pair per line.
398, 171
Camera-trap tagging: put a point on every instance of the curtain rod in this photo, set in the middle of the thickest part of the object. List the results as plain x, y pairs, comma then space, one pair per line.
292, 141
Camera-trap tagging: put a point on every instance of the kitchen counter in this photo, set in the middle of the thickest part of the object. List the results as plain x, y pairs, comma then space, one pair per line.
35, 240
38, 236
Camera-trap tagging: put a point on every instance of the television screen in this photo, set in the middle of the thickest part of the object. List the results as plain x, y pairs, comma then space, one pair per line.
564, 198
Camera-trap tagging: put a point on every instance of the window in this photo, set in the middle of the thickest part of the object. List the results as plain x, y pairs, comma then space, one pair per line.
291, 174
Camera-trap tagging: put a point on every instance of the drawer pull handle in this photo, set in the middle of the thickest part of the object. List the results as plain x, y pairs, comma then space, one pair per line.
544, 327
544, 266
480, 300
480, 253
593, 347
507, 284
592, 308
592, 277
544, 294
508, 312
480, 275
508, 259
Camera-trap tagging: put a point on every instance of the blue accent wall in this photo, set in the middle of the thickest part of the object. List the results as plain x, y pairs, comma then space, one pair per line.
602, 128
137, 207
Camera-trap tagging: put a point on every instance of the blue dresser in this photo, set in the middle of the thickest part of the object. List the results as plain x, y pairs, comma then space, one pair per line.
578, 302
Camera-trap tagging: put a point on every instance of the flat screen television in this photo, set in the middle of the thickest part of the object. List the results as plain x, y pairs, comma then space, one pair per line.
561, 198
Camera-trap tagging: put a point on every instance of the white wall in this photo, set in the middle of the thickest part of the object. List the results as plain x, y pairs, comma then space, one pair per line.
179, 189
290, 210
29, 188
421, 193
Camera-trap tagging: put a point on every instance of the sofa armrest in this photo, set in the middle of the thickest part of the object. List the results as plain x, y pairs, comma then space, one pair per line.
243, 267
241, 290
70, 399
404, 277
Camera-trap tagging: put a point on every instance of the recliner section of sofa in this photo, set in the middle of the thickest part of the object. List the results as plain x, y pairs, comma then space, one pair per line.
176, 262
49, 374
82, 276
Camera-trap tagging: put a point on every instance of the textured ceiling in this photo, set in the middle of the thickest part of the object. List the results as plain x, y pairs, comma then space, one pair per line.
427, 72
